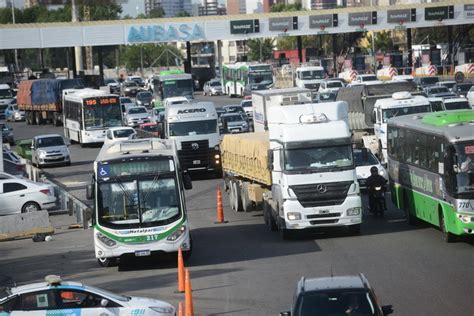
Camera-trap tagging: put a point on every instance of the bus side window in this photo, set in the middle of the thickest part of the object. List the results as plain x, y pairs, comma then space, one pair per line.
450, 175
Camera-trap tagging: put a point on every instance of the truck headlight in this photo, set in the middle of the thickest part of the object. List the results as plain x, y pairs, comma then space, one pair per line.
106, 240
355, 211
293, 216
174, 236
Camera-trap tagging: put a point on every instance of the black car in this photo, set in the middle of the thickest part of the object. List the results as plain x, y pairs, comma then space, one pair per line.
422, 82
144, 98
461, 89
336, 295
7, 134
437, 91
130, 88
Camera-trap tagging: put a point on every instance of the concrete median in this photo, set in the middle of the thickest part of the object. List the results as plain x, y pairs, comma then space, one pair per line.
25, 225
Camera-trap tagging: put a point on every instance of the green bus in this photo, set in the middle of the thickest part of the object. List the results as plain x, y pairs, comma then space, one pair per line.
243, 77
431, 171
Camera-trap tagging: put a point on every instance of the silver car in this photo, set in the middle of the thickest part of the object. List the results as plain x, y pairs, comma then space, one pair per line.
49, 150
135, 116
234, 123
212, 87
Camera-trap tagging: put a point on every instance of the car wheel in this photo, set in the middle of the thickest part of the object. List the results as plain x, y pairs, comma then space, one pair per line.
30, 207
107, 262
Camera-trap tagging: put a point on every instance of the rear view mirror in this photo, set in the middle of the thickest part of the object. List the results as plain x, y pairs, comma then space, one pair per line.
287, 313
270, 159
387, 309
104, 302
188, 185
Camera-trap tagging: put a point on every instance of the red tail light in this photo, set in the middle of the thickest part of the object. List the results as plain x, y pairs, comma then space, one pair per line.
45, 191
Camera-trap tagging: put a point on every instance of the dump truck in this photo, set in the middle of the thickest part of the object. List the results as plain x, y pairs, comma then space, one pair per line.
361, 100
300, 172
41, 99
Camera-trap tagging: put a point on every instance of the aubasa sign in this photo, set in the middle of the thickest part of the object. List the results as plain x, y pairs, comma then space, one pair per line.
165, 33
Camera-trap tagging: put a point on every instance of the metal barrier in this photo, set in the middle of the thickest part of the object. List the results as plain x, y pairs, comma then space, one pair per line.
65, 200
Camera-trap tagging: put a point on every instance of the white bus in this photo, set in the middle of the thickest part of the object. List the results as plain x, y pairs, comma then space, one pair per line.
240, 78
88, 113
139, 200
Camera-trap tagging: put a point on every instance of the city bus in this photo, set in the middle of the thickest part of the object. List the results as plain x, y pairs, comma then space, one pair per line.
88, 113
431, 171
172, 83
242, 76
139, 200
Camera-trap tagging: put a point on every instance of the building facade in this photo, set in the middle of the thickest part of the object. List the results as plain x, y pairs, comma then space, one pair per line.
236, 7
211, 7
51, 4
171, 7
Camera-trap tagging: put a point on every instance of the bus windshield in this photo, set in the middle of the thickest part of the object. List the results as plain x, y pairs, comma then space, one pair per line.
138, 202
318, 159
261, 77
193, 128
464, 162
389, 113
178, 88
102, 116
312, 74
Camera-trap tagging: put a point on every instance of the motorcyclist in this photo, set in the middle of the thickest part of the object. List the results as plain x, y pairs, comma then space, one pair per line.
375, 180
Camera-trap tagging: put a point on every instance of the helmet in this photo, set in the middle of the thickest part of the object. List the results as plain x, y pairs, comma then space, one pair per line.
374, 170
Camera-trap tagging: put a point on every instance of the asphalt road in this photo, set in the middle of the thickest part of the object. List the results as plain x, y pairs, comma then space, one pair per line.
240, 268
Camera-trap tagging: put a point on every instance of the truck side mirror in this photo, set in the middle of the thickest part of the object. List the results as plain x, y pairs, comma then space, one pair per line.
387, 309
188, 185
287, 313
270, 159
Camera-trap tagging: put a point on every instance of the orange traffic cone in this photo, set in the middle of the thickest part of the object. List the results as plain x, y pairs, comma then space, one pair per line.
220, 208
180, 309
188, 296
180, 272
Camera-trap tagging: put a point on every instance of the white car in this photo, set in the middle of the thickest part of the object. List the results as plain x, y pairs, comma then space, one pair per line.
364, 160
470, 96
22, 196
13, 114
50, 149
175, 100
408, 78
330, 86
55, 297
119, 133
248, 108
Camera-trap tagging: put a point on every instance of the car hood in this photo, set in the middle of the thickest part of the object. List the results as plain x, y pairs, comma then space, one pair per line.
54, 149
238, 123
141, 302
138, 115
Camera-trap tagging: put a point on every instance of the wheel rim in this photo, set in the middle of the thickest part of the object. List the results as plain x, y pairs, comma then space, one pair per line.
31, 208
103, 260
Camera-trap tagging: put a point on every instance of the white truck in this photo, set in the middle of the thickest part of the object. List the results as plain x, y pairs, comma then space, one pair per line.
194, 129
263, 100
309, 77
301, 172
401, 103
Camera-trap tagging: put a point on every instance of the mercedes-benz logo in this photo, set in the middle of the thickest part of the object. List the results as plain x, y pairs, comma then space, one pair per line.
195, 146
321, 188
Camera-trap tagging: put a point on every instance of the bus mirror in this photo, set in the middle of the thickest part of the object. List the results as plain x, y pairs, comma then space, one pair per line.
455, 168
89, 192
188, 185
270, 159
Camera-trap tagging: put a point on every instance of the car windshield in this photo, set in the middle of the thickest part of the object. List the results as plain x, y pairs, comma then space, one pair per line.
440, 89
5, 94
312, 74
107, 294
429, 80
150, 128
130, 84
110, 81
14, 108
138, 203
369, 78
193, 128
3, 107
463, 87
137, 80
144, 95
389, 113
327, 96
103, 116
234, 109
125, 100
215, 84
449, 85
458, 105
233, 118
50, 141
334, 84
123, 133
246, 104
137, 110
364, 158
318, 159
337, 303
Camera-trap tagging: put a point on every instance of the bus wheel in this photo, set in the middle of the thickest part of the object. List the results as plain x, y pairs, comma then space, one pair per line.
411, 220
107, 262
447, 236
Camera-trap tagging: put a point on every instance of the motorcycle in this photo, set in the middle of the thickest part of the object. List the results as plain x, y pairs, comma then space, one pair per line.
378, 196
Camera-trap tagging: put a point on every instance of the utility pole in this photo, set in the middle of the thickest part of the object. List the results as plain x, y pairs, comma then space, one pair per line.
13, 20
89, 54
77, 49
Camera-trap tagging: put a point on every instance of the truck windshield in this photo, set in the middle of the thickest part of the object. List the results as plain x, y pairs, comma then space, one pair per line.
138, 202
318, 159
429, 80
261, 77
312, 74
389, 113
178, 88
103, 116
193, 128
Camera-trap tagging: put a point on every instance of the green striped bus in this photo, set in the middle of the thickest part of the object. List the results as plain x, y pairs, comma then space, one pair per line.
431, 169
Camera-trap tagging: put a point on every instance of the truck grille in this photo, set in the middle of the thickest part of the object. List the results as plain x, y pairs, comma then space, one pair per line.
191, 156
311, 195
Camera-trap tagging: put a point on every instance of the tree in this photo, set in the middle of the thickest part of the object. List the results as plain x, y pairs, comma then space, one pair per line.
183, 14
261, 48
156, 12
153, 55
286, 7
382, 41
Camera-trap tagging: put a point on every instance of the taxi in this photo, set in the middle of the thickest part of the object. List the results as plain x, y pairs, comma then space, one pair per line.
58, 298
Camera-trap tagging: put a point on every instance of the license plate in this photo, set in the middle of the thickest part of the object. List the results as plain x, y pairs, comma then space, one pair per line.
323, 211
142, 253
196, 162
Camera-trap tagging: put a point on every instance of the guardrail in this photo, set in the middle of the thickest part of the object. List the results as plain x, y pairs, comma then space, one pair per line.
65, 201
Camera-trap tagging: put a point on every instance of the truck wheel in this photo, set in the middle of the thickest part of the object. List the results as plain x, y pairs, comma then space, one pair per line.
354, 229
237, 197
33, 118
285, 234
28, 118
38, 118
411, 220
246, 202
231, 194
272, 225
56, 121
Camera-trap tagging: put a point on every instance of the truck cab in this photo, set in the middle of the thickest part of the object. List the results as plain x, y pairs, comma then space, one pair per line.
309, 77
366, 80
194, 129
401, 103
